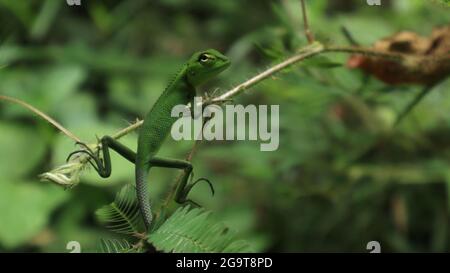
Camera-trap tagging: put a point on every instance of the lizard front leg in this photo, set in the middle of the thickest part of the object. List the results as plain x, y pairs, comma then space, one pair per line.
103, 166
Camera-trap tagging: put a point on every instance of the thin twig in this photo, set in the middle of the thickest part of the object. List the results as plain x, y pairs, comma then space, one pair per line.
366, 51
349, 36
128, 129
308, 32
412, 104
42, 115
305, 53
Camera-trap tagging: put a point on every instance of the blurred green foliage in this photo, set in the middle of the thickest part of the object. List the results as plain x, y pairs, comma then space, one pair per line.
341, 176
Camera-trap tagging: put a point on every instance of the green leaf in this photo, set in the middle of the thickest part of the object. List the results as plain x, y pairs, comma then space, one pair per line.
25, 209
270, 52
20, 148
445, 2
115, 246
122, 215
44, 89
59, 82
193, 230
46, 17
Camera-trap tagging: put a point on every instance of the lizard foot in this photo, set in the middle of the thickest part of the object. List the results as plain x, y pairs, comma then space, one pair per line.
183, 199
88, 151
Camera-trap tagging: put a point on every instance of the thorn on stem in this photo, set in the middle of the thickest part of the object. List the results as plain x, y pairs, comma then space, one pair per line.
349, 36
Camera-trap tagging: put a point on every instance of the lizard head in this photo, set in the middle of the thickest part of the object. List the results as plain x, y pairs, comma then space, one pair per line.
205, 65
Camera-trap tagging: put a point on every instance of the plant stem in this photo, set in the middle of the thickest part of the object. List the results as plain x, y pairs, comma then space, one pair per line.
42, 115
308, 32
349, 36
305, 53
412, 104
365, 51
128, 129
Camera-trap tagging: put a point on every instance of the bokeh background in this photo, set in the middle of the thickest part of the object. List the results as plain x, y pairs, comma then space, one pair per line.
340, 178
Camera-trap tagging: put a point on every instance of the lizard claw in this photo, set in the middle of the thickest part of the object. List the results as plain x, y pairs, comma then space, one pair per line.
211, 187
182, 199
91, 156
85, 146
192, 203
191, 185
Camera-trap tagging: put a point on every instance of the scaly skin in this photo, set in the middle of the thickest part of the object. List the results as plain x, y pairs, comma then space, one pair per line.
201, 67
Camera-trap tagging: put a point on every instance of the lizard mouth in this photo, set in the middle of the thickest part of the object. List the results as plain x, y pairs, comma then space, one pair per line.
225, 65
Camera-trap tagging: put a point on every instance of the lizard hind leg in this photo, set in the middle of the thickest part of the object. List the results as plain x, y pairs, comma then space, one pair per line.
182, 193
185, 185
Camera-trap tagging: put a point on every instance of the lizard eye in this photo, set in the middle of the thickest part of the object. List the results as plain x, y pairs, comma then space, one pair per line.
203, 58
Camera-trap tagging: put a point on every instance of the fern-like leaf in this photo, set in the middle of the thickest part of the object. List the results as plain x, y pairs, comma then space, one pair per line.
115, 246
193, 230
122, 215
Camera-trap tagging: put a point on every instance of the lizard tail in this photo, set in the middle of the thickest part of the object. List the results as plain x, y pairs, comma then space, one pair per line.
143, 196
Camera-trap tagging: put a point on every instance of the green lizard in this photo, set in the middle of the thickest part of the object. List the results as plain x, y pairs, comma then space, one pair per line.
201, 67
